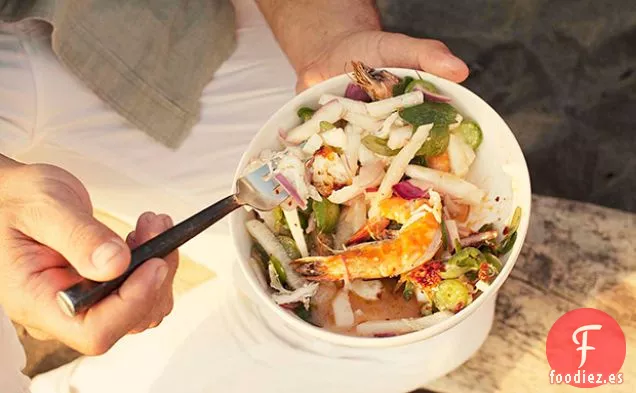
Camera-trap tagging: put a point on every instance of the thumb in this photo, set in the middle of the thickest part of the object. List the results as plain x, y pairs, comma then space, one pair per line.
94, 250
432, 56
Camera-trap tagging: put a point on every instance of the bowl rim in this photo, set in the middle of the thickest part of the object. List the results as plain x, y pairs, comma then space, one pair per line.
523, 198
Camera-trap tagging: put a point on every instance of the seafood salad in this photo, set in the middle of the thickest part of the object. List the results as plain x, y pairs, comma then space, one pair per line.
375, 239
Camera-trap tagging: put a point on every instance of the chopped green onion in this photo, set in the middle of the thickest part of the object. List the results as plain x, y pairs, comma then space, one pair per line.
326, 214
409, 289
494, 262
506, 244
290, 246
399, 88
325, 125
441, 114
463, 261
444, 234
436, 143
451, 295
378, 146
305, 113
280, 271
516, 219
471, 133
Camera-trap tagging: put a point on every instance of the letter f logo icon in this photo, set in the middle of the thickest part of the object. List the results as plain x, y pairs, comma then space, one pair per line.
584, 347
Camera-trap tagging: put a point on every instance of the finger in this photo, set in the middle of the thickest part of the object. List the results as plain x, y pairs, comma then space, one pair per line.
94, 250
119, 313
399, 50
149, 226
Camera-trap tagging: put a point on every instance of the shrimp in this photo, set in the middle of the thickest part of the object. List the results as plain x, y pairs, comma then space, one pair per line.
377, 84
416, 243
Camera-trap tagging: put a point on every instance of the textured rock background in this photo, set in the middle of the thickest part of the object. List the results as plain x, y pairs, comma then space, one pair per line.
561, 73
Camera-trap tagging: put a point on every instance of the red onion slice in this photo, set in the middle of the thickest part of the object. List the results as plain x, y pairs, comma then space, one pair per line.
429, 95
407, 190
355, 92
291, 190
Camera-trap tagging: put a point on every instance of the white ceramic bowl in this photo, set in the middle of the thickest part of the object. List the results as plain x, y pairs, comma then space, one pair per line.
499, 169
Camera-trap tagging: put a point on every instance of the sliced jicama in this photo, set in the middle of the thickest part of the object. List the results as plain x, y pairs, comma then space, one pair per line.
453, 233
401, 162
293, 221
446, 183
370, 176
349, 104
302, 294
385, 107
385, 131
313, 144
399, 137
272, 246
401, 326
352, 218
342, 312
335, 137
482, 285
352, 150
365, 122
366, 156
345, 194
257, 266
369, 290
460, 155
330, 112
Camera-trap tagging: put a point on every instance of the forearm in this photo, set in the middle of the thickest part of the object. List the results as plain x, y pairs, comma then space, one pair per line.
305, 28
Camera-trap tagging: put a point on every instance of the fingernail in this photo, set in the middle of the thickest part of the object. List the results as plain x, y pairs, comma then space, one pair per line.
160, 276
107, 253
453, 62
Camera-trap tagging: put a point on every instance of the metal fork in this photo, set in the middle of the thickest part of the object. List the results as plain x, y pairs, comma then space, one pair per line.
257, 189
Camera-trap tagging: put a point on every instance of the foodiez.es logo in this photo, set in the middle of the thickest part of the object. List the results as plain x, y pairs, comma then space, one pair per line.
586, 348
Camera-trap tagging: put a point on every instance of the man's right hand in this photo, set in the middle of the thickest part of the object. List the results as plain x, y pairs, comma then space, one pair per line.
49, 240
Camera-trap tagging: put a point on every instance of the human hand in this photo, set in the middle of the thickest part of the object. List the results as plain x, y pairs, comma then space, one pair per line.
49, 240
381, 49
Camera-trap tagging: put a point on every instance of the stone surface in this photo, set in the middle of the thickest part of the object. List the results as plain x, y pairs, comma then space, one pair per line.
563, 76
576, 255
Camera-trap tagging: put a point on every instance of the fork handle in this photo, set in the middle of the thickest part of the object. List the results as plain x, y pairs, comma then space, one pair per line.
81, 296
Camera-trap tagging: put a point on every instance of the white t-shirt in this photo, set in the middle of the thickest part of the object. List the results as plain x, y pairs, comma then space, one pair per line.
12, 359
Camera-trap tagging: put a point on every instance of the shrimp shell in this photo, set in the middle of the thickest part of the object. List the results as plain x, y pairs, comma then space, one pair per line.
387, 258
377, 84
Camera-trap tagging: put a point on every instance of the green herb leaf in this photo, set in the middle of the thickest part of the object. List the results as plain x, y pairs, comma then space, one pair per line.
516, 219
303, 313
440, 114
399, 88
378, 146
